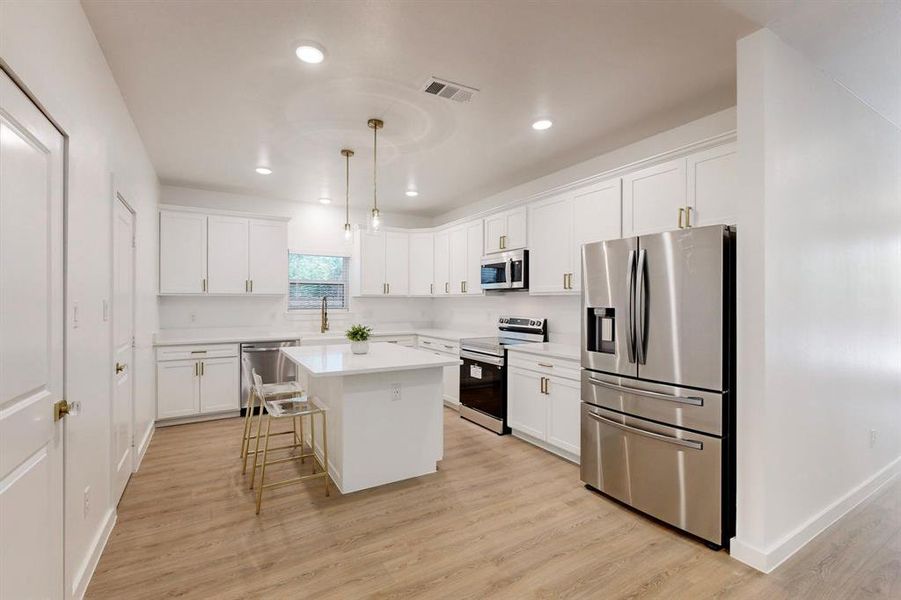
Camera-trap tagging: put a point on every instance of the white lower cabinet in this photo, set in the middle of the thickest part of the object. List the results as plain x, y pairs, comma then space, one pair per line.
546, 409
451, 374
197, 380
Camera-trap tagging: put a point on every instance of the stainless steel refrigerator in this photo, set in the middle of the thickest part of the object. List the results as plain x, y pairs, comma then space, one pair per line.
658, 358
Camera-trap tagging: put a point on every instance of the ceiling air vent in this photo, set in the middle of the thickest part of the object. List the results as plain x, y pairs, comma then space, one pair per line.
448, 89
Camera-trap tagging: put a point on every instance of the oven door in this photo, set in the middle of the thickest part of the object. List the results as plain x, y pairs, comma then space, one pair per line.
482, 390
495, 274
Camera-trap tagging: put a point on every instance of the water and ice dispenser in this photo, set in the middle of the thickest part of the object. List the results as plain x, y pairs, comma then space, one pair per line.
601, 330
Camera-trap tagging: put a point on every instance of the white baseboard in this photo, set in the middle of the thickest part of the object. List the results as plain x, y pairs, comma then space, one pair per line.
768, 559
197, 418
83, 577
141, 450
452, 404
573, 458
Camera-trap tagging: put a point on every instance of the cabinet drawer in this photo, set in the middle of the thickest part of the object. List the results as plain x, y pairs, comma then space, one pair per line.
401, 340
558, 367
445, 346
188, 352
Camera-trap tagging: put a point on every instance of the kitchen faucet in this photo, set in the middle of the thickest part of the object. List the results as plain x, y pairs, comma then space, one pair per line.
323, 325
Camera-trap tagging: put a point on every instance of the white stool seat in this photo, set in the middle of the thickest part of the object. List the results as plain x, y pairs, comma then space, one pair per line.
278, 389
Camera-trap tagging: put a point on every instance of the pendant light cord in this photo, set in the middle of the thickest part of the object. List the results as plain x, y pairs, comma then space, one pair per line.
346, 188
375, 154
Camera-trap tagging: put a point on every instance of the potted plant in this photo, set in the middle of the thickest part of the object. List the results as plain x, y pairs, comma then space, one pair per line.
359, 338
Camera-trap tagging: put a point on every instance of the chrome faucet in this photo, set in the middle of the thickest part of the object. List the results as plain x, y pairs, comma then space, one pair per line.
323, 325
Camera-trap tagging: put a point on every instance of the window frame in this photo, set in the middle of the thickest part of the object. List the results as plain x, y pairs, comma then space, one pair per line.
313, 312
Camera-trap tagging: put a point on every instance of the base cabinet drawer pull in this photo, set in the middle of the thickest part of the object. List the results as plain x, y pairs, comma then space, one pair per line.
546, 365
656, 436
681, 217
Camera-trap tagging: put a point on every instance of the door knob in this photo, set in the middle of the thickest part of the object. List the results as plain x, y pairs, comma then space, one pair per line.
120, 367
63, 408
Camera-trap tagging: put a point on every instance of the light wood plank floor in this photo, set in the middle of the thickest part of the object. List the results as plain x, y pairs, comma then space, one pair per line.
501, 519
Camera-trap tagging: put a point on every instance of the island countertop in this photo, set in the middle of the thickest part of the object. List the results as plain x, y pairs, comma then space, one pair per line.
338, 360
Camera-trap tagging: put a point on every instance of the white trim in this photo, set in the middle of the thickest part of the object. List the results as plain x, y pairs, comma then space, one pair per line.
83, 578
227, 213
228, 414
679, 152
569, 456
767, 559
141, 450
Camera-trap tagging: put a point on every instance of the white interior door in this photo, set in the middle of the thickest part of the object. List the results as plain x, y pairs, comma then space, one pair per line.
123, 349
31, 349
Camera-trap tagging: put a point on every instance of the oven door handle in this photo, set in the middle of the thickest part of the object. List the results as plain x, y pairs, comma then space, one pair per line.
651, 434
482, 358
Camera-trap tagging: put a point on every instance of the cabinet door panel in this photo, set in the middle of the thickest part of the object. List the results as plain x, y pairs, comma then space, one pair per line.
495, 227
397, 263
652, 198
452, 384
516, 229
564, 414
442, 263
596, 216
422, 264
177, 389
372, 263
711, 186
550, 253
458, 256
474, 258
526, 405
182, 252
268, 257
219, 389
228, 251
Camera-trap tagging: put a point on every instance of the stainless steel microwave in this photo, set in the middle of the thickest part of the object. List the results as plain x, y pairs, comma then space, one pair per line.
506, 271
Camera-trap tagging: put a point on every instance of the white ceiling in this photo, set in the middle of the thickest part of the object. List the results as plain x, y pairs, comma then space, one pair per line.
857, 42
215, 89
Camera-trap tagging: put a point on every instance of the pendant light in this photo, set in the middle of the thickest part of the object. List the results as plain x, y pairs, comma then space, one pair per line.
348, 233
375, 125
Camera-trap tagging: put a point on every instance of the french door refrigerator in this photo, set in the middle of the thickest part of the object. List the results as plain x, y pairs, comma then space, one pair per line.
658, 371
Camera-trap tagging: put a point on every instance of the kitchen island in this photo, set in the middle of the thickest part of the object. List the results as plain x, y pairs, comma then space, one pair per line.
385, 410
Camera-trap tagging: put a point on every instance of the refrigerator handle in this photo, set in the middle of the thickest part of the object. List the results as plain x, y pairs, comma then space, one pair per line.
641, 325
630, 343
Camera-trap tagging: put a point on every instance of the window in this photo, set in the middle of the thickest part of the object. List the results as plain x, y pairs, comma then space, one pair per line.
310, 277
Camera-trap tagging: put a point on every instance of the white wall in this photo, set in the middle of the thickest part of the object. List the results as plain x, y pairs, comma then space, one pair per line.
819, 301
313, 228
50, 47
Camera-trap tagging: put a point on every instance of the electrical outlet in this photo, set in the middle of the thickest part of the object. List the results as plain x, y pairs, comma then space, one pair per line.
87, 500
395, 392
872, 437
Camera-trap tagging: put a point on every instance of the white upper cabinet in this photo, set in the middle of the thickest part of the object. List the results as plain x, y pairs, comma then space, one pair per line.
550, 250
397, 263
458, 256
182, 253
222, 254
654, 199
268, 257
442, 263
506, 231
422, 264
712, 197
560, 225
473, 281
227, 255
596, 216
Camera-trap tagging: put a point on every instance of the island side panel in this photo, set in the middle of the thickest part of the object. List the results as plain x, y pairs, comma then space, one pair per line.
384, 439
329, 391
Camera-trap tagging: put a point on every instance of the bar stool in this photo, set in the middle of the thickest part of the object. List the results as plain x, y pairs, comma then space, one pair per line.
295, 409
271, 390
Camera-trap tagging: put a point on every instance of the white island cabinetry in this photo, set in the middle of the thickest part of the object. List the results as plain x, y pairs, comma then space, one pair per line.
385, 414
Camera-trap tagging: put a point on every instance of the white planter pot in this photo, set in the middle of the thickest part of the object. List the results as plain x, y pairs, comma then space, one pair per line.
359, 347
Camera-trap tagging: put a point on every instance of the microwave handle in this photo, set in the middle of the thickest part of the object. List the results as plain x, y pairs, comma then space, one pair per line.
508, 270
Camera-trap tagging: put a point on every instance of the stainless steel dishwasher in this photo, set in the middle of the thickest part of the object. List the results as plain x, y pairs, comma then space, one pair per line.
269, 363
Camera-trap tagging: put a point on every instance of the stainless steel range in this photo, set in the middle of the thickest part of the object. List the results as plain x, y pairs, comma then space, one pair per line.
483, 374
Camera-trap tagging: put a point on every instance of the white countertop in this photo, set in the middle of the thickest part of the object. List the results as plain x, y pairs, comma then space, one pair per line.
337, 360
226, 335
549, 349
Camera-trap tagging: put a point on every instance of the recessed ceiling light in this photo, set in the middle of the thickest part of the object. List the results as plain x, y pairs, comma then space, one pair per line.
412, 193
325, 201
310, 52
264, 170
542, 124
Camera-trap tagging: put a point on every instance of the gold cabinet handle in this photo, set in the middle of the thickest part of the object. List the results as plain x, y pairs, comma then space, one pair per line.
203, 284
197, 369
545, 365
681, 216
251, 286
687, 216
447, 287
201, 369
431, 288
120, 367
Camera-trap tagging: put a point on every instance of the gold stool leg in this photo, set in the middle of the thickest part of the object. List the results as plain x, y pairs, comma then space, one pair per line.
313, 440
263, 468
244, 439
324, 449
256, 455
251, 406
302, 459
